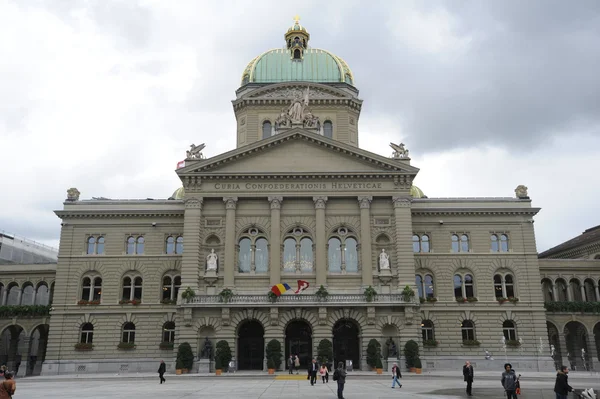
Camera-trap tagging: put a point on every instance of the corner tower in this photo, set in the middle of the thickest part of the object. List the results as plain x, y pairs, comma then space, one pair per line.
297, 86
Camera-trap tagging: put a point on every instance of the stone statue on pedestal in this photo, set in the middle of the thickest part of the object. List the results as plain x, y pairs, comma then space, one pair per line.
211, 260
384, 260
392, 351
206, 352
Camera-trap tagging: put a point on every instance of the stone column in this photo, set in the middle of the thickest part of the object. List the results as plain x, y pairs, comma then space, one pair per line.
365, 233
23, 350
275, 247
405, 263
582, 290
569, 291
191, 263
5, 293
230, 255
321, 240
595, 289
554, 292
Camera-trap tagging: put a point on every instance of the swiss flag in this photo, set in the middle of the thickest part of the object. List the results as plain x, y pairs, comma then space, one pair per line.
180, 164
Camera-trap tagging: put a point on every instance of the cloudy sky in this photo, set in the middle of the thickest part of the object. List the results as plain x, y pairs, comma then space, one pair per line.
106, 96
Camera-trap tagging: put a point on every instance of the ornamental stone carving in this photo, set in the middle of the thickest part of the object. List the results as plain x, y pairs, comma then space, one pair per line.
275, 202
230, 202
195, 151
293, 92
521, 192
225, 316
401, 202
73, 194
211, 260
400, 152
194, 203
320, 202
365, 202
298, 112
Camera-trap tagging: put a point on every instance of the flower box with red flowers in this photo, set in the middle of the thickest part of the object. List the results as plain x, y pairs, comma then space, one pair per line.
133, 302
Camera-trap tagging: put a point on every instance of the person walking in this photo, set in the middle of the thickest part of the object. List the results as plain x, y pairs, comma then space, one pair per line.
8, 386
297, 364
291, 364
468, 375
396, 375
313, 370
2, 371
324, 373
339, 375
509, 381
561, 386
161, 371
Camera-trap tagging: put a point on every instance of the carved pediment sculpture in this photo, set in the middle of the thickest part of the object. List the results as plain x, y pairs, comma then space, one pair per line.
195, 151
298, 112
293, 92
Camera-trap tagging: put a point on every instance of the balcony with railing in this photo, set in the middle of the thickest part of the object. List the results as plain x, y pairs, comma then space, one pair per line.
304, 300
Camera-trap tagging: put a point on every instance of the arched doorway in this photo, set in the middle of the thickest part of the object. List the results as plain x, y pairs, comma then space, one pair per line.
11, 347
597, 339
554, 343
251, 346
576, 338
298, 341
346, 342
37, 349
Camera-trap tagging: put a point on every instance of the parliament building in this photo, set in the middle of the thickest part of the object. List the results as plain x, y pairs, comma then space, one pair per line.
298, 202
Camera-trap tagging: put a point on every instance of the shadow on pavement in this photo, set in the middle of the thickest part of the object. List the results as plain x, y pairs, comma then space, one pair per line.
491, 393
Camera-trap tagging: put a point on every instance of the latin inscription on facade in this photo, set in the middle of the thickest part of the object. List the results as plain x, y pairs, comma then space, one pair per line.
329, 186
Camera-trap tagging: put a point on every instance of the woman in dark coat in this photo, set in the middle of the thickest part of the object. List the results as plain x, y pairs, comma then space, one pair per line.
161, 371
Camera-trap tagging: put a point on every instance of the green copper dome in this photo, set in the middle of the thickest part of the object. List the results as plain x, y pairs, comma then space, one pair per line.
297, 62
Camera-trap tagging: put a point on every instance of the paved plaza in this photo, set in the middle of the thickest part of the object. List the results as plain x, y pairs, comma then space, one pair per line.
266, 387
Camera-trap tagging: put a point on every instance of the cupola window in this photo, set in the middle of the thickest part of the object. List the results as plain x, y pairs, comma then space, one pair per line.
297, 55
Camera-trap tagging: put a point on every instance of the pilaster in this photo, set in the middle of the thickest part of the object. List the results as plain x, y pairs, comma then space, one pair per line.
405, 263
321, 240
190, 260
365, 232
230, 255
275, 247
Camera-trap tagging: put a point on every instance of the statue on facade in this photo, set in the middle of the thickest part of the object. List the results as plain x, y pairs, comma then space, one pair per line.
283, 120
384, 260
296, 109
400, 152
195, 151
392, 351
521, 192
311, 121
206, 352
211, 260
73, 194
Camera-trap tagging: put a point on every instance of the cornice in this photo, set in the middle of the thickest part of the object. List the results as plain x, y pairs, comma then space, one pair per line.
107, 214
316, 103
475, 211
298, 176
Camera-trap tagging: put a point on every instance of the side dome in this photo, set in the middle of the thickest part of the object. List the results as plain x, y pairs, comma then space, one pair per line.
178, 194
416, 192
297, 62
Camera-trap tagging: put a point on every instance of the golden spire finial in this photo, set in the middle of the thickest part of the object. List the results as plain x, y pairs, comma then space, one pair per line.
297, 19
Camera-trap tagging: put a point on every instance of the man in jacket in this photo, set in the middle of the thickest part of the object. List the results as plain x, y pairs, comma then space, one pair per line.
161, 371
291, 364
561, 386
468, 375
340, 376
313, 369
509, 381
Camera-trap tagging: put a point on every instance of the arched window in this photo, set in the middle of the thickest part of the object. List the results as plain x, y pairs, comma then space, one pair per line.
328, 129
455, 246
128, 333
130, 246
420, 243
179, 245
139, 246
464, 243
306, 254
494, 243
170, 249
245, 255
132, 289
135, 246
170, 288
91, 245
427, 330
13, 294
590, 295
297, 55
503, 243
27, 297
253, 255
334, 255
464, 286
467, 329
509, 330
86, 288
42, 295
419, 283
289, 254
351, 255
504, 286
168, 334
298, 251
576, 290
266, 129
547, 290
561, 290
95, 245
87, 333
97, 289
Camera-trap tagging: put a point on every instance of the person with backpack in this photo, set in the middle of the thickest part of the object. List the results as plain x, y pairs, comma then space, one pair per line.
396, 375
339, 375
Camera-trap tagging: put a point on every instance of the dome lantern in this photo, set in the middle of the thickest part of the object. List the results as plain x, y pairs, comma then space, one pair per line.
296, 39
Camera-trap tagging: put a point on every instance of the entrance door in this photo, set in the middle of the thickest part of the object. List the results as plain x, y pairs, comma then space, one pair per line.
346, 343
298, 341
251, 346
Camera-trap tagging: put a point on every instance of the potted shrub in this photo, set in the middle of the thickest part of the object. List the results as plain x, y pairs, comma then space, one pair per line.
166, 346
513, 343
370, 293
222, 356
83, 346
460, 299
379, 366
322, 293
502, 300
373, 353
513, 299
411, 353
471, 342
407, 294
418, 365
430, 342
225, 295
273, 352
126, 345
472, 299
185, 357
188, 294
325, 353
272, 296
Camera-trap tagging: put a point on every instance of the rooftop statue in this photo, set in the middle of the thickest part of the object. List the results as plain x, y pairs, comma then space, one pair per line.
400, 152
195, 151
521, 192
